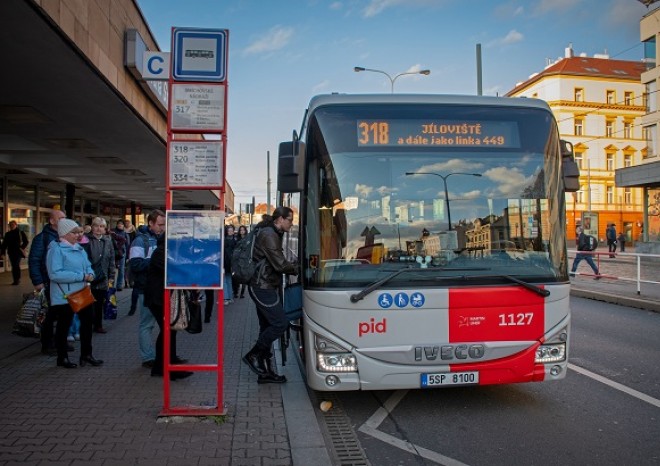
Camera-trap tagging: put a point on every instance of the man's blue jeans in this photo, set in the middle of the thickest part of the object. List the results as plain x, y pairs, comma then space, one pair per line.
586, 257
145, 335
227, 287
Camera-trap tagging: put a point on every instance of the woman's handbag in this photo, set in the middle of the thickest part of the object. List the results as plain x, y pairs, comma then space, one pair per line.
79, 300
179, 313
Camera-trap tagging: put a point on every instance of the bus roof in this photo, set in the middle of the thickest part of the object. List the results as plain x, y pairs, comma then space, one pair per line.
358, 99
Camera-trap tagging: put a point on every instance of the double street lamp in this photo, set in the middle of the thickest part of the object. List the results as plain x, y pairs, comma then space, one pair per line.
357, 69
444, 180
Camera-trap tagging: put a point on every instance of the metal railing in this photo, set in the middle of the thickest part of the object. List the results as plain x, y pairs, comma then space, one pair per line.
624, 266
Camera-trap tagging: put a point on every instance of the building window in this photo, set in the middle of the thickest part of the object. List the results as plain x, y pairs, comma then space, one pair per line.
627, 130
627, 196
649, 52
609, 128
628, 98
651, 101
610, 195
579, 123
579, 157
609, 162
651, 140
610, 97
579, 195
579, 94
627, 160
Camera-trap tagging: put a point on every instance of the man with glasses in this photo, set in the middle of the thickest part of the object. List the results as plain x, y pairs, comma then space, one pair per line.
264, 289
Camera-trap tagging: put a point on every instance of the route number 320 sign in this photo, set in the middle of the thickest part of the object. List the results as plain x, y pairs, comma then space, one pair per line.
196, 164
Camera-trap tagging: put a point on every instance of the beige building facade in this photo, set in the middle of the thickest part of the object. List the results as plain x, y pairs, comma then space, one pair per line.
599, 104
646, 173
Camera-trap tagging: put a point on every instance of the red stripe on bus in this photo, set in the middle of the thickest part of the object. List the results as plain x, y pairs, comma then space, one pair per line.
517, 368
495, 314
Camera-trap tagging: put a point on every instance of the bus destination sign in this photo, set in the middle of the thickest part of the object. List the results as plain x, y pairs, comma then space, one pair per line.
438, 133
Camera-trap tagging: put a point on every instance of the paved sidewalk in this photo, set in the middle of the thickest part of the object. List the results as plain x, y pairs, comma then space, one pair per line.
109, 415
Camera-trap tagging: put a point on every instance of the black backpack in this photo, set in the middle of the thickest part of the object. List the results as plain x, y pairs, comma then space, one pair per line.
242, 266
588, 243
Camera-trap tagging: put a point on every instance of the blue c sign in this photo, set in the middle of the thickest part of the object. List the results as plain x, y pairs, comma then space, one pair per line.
158, 69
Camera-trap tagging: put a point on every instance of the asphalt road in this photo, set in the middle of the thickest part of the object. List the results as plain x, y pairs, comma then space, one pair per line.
606, 411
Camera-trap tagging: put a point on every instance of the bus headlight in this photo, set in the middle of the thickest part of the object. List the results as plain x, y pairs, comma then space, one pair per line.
336, 362
551, 353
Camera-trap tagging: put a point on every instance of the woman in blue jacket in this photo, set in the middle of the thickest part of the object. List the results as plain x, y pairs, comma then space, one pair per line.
69, 270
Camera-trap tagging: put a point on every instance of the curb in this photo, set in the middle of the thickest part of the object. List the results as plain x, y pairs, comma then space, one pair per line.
639, 303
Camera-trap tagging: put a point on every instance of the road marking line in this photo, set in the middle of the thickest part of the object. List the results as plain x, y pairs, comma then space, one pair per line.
370, 427
411, 448
617, 386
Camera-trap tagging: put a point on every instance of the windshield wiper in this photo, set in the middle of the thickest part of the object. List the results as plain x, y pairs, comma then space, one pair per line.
531, 287
375, 285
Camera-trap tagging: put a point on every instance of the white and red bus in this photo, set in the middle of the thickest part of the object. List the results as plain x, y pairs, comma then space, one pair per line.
431, 237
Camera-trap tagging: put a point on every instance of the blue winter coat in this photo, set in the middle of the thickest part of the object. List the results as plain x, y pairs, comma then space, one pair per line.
67, 266
37, 258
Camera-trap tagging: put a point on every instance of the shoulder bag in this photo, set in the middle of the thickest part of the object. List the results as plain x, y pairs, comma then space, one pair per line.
179, 312
79, 300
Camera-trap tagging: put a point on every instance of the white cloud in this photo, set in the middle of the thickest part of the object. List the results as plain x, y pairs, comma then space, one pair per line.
512, 37
336, 6
376, 7
363, 190
276, 38
320, 86
623, 14
385, 190
510, 180
547, 6
508, 10
453, 165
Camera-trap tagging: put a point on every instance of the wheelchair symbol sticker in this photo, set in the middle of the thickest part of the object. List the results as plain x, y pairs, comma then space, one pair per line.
385, 300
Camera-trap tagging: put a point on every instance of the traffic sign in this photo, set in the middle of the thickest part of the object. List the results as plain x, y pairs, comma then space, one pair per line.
199, 54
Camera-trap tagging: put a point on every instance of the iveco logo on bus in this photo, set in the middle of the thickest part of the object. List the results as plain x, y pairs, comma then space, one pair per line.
449, 352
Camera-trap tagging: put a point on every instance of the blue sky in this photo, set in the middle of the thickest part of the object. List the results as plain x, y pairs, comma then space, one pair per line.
283, 52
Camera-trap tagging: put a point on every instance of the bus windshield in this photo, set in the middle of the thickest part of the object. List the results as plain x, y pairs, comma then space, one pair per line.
468, 193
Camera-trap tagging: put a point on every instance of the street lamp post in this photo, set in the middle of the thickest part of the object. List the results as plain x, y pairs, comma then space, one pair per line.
444, 180
357, 69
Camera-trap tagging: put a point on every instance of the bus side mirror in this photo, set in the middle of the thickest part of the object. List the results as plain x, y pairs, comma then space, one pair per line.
290, 168
569, 167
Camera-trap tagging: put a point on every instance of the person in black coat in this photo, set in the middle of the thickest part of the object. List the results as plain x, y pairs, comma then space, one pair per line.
153, 299
14, 244
230, 244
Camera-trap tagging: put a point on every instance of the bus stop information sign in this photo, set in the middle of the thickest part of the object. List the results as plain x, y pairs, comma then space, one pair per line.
199, 55
193, 249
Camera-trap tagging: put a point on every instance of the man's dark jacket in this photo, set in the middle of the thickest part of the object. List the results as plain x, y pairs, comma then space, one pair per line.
37, 257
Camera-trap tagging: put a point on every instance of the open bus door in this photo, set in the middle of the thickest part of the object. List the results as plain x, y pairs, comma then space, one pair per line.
290, 179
